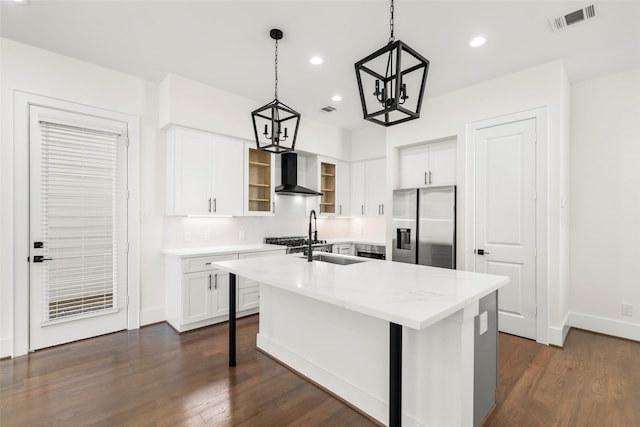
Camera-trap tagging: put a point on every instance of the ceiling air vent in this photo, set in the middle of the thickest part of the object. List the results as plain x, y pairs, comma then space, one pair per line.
563, 21
328, 109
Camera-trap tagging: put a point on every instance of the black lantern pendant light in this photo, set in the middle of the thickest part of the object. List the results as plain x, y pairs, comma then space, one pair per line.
275, 125
391, 82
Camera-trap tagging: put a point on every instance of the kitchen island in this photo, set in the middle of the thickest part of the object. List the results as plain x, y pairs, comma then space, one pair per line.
394, 340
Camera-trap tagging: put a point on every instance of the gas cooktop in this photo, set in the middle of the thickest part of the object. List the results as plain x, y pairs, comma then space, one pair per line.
297, 244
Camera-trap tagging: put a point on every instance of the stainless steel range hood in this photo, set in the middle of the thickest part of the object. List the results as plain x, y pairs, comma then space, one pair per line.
290, 185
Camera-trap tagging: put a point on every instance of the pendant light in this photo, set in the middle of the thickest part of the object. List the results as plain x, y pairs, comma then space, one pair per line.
275, 125
391, 82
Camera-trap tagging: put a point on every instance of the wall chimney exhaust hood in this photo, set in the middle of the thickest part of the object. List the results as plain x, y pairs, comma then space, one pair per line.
290, 185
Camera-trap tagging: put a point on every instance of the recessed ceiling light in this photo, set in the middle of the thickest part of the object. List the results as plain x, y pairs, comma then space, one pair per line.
478, 41
316, 60
336, 98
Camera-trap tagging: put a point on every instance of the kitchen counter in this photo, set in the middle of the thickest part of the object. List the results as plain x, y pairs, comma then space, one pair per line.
395, 340
220, 250
410, 295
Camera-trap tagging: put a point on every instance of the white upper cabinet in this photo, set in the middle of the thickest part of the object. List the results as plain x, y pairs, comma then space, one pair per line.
259, 181
375, 182
368, 184
343, 189
204, 173
431, 164
357, 188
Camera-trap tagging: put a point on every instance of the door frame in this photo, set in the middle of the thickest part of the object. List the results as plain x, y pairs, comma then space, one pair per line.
21, 105
541, 223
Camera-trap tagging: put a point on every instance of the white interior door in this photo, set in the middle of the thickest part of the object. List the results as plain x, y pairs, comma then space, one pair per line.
505, 219
78, 226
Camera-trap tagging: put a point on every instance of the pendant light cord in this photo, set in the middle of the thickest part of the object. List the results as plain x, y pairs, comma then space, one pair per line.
276, 67
391, 38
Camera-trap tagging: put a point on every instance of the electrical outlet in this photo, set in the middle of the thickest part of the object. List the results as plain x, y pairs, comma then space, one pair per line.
484, 322
207, 236
627, 310
187, 236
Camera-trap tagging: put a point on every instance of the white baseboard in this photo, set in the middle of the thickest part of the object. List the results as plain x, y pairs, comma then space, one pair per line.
616, 328
557, 335
5, 347
152, 315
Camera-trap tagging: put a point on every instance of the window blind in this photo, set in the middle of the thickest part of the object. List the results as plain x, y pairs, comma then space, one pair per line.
83, 198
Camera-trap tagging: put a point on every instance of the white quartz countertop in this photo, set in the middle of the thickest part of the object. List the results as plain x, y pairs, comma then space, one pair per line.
356, 240
411, 295
221, 250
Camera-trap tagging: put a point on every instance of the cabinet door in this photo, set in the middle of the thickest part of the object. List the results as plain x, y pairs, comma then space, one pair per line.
413, 167
196, 296
375, 183
357, 188
190, 154
228, 176
249, 297
442, 163
343, 189
220, 293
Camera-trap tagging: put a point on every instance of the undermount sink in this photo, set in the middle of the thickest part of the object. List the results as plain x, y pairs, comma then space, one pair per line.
335, 259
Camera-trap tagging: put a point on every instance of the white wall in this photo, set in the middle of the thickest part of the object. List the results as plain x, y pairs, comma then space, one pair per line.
44, 73
193, 104
368, 143
446, 116
605, 215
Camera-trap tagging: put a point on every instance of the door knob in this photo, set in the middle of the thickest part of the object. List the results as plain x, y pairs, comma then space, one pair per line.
481, 252
40, 258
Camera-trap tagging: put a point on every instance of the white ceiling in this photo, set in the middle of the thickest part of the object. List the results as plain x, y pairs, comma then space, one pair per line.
226, 43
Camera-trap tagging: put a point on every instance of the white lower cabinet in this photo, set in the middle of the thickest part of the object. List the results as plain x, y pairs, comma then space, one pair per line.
198, 294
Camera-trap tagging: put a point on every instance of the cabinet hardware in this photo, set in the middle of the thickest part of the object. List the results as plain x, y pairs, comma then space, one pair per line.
208, 263
340, 209
425, 178
362, 209
273, 204
215, 205
209, 204
209, 281
378, 209
430, 182
382, 205
215, 286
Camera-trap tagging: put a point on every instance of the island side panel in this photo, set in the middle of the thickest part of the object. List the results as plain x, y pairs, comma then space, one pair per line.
348, 353
344, 351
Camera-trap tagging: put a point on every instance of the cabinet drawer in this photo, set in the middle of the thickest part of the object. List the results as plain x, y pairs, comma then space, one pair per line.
190, 265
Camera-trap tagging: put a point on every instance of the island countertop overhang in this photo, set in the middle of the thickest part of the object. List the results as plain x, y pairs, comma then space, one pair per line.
410, 295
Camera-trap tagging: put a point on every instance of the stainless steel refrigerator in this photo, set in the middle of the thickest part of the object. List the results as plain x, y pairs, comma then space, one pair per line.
424, 226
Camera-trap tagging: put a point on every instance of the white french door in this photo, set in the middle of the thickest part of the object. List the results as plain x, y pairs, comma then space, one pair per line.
505, 186
77, 226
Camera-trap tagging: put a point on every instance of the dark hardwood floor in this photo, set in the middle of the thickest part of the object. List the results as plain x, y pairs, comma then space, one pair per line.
155, 377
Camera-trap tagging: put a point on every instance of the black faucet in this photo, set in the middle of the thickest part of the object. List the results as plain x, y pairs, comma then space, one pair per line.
315, 234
